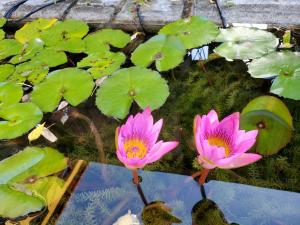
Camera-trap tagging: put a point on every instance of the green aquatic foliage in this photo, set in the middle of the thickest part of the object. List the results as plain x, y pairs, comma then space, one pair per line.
102, 64
29, 49
100, 41
32, 71
66, 35
166, 51
285, 67
9, 47
72, 84
26, 180
17, 119
6, 70
272, 119
10, 93
33, 30
2, 23
158, 213
144, 86
50, 58
245, 43
193, 31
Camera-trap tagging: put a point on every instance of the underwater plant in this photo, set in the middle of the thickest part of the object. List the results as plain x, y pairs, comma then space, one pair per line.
221, 143
136, 142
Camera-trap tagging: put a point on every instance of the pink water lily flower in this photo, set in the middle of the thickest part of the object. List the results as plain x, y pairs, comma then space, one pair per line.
221, 144
136, 141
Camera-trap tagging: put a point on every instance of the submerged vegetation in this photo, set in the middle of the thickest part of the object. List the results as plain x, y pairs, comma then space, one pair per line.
58, 73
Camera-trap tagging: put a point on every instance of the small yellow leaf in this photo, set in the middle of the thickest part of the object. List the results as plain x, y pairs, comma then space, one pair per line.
36, 133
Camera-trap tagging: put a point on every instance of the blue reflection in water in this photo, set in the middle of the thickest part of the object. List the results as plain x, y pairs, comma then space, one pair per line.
106, 192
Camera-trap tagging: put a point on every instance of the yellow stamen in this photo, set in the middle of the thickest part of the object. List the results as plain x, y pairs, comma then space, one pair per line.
135, 148
216, 141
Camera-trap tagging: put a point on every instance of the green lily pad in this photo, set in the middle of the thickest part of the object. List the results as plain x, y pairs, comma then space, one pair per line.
74, 45
273, 120
29, 50
63, 31
101, 40
2, 22
25, 180
2, 34
33, 30
102, 64
245, 43
193, 31
10, 93
6, 70
18, 119
34, 72
166, 51
9, 47
57, 58
142, 85
285, 66
17, 204
74, 85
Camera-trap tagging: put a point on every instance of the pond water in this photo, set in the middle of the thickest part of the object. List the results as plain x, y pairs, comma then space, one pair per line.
106, 192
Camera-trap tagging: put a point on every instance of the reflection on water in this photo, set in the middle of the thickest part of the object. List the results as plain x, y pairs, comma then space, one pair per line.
106, 192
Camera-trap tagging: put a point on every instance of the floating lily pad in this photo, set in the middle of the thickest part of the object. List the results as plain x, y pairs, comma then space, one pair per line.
193, 31
74, 85
50, 57
166, 51
74, 45
23, 188
68, 32
245, 43
102, 64
285, 66
10, 93
9, 47
33, 30
6, 70
142, 85
29, 50
2, 22
31, 71
273, 120
18, 119
101, 40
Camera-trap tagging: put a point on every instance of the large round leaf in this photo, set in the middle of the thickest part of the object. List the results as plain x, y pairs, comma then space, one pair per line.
25, 184
50, 58
102, 64
29, 50
193, 31
245, 43
2, 22
285, 66
32, 71
73, 45
33, 30
6, 70
64, 32
100, 40
167, 52
144, 86
273, 120
10, 93
74, 85
17, 204
9, 47
18, 119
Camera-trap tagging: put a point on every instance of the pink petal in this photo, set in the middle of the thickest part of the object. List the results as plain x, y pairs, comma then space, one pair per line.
230, 125
245, 141
155, 132
206, 164
243, 160
160, 149
213, 116
212, 153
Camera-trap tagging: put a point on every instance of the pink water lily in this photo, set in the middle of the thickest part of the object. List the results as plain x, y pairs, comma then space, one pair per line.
136, 141
221, 143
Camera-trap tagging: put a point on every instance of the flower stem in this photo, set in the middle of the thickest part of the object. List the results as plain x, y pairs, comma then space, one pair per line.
135, 175
203, 176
